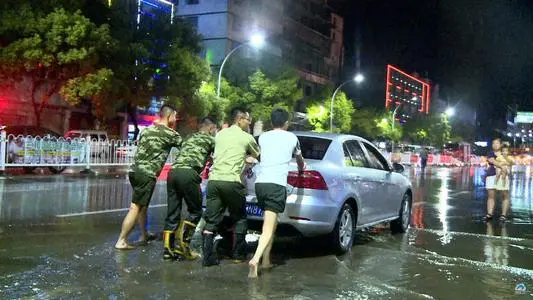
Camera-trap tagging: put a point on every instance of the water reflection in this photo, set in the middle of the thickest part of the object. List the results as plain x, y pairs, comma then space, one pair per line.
443, 207
496, 250
42, 198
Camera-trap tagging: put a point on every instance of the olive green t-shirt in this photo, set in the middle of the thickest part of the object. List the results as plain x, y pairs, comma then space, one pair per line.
232, 145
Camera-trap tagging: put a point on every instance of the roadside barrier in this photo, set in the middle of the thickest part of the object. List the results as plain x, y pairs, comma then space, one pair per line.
60, 153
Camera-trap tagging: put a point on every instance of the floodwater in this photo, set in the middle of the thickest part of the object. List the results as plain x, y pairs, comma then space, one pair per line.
57, 235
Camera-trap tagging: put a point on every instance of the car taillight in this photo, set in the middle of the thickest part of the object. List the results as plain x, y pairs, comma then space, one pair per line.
307, 180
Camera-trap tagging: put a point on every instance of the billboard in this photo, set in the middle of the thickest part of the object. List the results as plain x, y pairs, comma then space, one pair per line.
406, 90
524, 117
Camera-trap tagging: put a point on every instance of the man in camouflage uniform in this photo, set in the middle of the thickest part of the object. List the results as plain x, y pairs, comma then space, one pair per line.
153, 149
184, 183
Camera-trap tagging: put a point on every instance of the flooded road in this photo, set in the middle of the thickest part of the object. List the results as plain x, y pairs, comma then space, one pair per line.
57, 235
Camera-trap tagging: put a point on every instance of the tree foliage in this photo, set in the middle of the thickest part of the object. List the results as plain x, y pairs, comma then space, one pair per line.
363, 122
386, 128
158, 59
54, 52
319, 114
263, 94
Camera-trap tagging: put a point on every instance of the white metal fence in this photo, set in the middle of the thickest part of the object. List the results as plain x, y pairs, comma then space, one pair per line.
60, 153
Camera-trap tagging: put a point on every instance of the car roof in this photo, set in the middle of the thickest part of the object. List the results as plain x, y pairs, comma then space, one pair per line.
339, 137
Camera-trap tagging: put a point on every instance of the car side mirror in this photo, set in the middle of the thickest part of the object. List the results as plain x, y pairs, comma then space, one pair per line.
398, 168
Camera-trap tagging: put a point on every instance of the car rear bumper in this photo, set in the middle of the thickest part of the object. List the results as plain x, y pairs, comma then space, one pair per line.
310, 215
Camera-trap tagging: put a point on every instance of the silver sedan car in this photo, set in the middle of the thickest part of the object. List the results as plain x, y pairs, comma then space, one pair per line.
348, 185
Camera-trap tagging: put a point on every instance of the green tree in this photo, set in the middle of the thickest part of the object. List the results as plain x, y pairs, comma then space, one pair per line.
386, 128
156, 60
52, 53
439, 130
262, 94
207, 103
319, 114
363, 122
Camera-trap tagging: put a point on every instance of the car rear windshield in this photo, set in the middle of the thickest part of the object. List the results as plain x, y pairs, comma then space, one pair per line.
314, 147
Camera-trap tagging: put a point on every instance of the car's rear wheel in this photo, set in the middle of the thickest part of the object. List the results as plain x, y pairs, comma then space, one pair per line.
344, 232
401, 224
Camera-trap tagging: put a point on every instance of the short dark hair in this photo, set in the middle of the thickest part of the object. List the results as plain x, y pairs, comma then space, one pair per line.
279, 117
166, 110
236, 112
206, 121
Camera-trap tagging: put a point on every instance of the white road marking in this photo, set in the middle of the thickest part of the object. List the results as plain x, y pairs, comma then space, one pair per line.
102, 211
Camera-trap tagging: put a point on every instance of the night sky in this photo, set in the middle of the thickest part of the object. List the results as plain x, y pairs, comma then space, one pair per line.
480, 52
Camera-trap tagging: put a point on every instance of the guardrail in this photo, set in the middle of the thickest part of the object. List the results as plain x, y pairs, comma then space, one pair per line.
433, 160
60, 153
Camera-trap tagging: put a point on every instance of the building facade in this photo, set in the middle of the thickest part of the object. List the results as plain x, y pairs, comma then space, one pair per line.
410, 94
306, 34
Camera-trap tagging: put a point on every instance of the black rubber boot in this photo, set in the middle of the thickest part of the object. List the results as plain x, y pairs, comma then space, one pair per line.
209, 254
239, 254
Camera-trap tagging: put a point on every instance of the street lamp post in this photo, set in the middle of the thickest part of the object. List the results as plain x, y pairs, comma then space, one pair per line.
257, 41
393, 120
357, 79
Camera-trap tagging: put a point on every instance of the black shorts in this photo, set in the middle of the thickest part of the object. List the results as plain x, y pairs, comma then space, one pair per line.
271, 196
143, 188
222, 195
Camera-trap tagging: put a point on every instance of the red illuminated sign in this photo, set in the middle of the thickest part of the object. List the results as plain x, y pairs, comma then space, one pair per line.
406, 89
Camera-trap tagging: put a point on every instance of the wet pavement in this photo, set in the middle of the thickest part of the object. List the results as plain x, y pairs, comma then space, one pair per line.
57, 235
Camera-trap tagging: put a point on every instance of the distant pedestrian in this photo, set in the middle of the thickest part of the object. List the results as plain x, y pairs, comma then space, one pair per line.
183, 183
153, 149
277, 149
424, 158
225, 188
490, 181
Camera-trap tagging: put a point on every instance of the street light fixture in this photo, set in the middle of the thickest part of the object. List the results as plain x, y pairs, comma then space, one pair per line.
257, 41
357, 79
450, 111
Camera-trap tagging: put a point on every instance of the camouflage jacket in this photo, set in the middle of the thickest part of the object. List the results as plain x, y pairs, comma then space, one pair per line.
195, 151
153, 149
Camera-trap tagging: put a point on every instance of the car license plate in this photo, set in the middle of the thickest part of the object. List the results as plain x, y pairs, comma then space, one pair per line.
253, 210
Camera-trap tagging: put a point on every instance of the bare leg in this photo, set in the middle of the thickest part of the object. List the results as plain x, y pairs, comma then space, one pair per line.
267, 263
490, 201
269, 224
506, 203
142, 222
127, 227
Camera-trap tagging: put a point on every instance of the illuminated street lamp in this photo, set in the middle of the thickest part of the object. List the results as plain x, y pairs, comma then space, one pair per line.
450, 111
357, 79
257, 41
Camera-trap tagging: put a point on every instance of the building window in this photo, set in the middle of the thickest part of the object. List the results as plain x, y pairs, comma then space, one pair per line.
191, 2
193, 20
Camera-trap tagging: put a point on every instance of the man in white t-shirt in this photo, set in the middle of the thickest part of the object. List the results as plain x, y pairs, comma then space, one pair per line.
277, 148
